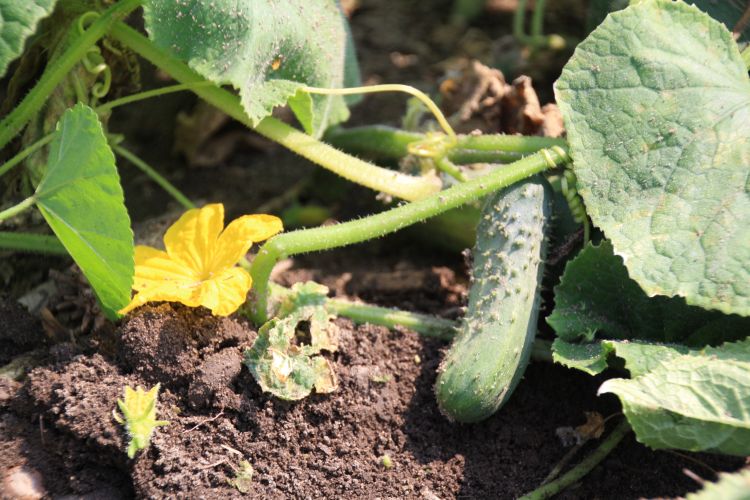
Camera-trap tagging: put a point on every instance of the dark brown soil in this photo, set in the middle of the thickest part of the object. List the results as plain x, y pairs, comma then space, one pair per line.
60, 423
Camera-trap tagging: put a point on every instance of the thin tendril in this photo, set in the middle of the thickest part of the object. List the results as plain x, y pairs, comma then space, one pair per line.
391, 87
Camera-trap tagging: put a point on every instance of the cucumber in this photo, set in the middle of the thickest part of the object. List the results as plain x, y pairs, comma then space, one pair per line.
493, 345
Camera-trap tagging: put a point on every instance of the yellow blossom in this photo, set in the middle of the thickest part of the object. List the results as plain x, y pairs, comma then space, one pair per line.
198, 267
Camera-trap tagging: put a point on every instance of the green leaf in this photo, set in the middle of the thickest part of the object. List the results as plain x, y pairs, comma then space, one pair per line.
656, 102
266, 49
597, 298
729, 487
729, 12
695, 401
82, 200
18, 21
590, 357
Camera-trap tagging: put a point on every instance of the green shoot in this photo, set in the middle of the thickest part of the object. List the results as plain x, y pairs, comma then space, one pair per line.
138, 409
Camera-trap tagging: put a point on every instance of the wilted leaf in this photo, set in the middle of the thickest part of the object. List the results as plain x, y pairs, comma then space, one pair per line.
280, 362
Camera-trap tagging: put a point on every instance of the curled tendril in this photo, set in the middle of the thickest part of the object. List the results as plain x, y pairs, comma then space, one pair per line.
575, 202
93, 60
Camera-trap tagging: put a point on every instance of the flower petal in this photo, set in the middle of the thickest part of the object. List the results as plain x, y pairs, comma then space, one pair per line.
192, 238
154, 267
226, 292
237, 238
169, 292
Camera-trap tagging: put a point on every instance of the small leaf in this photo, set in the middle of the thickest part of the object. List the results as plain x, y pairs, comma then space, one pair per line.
18, 21
656, 102
266, 49
695, 401
138, 409
590, 358
82, 200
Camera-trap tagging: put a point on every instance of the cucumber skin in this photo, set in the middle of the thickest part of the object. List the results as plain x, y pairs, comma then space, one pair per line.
493, 345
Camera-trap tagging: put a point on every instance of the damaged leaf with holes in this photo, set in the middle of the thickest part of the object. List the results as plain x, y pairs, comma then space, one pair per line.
282, 360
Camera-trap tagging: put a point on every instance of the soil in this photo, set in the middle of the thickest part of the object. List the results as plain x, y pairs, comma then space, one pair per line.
58, 433
59, 421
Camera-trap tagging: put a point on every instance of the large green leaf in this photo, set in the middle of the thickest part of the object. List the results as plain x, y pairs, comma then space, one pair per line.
264, 48
697, 401
18, 21
656, 102
82, 200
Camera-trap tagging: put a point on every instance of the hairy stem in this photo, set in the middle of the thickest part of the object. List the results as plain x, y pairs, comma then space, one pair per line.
32, 243
583, 468
56, 72
17, 209
328, 237
21, 156
155, 176
391, 143
426, 325
394, 183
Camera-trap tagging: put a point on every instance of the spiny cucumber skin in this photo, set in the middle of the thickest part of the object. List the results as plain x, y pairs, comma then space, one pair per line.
491, 351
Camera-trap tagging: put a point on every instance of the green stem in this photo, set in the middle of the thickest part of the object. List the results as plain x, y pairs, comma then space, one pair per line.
519, 22
378, 141
56, 72
445, 165
537, 21
149, 94
328, 237
17, 209
21, 156
426, 325
587, 465
537, 37
380, 179
520, 144
392, 143
161, 181
32, 243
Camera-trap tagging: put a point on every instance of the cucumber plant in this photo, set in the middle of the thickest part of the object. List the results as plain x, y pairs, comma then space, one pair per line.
656, 104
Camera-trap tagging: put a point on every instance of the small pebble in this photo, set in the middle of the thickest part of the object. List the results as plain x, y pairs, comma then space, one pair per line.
23, 483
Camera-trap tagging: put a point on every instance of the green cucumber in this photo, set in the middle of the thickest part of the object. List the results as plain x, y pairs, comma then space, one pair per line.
493, 345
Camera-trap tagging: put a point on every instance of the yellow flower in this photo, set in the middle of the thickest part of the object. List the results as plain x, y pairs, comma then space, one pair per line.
198, 266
